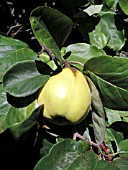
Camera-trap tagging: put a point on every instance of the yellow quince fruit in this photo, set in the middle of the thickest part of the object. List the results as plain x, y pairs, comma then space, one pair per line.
66, 95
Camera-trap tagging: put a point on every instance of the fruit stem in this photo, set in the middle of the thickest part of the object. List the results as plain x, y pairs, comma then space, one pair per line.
66, 64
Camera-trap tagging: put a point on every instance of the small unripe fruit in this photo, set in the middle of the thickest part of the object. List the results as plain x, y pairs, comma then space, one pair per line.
66, 95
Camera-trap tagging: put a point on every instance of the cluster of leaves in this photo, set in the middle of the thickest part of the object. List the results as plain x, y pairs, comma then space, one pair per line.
101, 56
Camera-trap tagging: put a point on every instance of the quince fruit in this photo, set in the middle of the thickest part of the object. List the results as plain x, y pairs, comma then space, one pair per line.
66, 95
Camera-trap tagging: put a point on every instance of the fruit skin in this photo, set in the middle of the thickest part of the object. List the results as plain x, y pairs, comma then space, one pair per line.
67, 95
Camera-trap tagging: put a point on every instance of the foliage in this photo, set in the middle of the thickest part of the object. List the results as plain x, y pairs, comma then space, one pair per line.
92, 36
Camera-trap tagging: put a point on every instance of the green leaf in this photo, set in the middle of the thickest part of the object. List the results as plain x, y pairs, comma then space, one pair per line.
117, 164
112, 116
123, 113
124, 6
115, 39
11, 52
4, 109
86, 134
19, 129
46, 146
109, 3
44, 57
104, 165
51, 28
111, 80
112, 96
23, 79
123, 149
121, 164
81, 52
121, 126
113, 136
61, 155
98, 39
86, 161
111, 69
98, 114
9, 115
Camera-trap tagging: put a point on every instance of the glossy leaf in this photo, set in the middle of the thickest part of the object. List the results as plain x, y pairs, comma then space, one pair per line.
22, 128
4, 109
111, 79
111, 69
104, 165
112, 96
124, 6
61, 155
117, 164
86, 161
51, 28
112, 116
9, 115
123, 148
113, 136
68, 155
81, 52
23, 79
115, 39
13, 51
121, 164
98, 39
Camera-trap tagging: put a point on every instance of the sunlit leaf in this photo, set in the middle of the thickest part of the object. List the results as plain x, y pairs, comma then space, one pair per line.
98, 39
81, 52
93, 9
112, 116
115, 39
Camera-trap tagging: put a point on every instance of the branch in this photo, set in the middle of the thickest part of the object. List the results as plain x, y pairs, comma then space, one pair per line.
76, 62
47, 50
100, 147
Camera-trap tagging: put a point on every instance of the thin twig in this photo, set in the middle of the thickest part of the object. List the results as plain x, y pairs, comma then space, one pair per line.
47, 50
15, 26
77, 135
15, 33
76, 62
